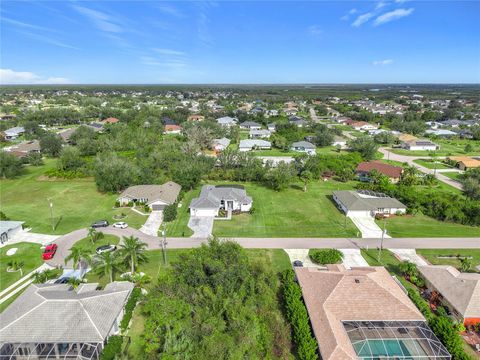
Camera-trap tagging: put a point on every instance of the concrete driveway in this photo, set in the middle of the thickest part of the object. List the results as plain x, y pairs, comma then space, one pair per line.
409, 255
353, 258
27, 236
367, 226
153, 223
302, 255
201, 226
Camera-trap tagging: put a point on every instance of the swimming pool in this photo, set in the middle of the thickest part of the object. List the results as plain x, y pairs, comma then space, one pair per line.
398, 349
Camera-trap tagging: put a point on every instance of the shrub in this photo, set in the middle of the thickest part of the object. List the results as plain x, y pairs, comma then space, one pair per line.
170, 212
325, 256
146, 208
298, 318
129, 307
3, 216
117, 204
113, 348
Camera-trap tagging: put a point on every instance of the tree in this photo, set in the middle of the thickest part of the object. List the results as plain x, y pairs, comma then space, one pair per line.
34, 159
306, 177
95, 235
365, 146
70, 159
113, 174
133, 252
51, 144
280, 177
408, 268
466, 264
39, 277
77, 255
74, 282
170, 212
468, 148
105, 264
15, 265
10, 165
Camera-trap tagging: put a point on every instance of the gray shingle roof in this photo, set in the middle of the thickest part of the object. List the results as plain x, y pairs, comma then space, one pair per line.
167, 192
54, 313
211, 195
251, 143
354, 201
303, 144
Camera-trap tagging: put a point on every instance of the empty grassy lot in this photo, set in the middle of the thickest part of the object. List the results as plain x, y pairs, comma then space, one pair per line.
290, 213
432, 255
76, 202
423, 226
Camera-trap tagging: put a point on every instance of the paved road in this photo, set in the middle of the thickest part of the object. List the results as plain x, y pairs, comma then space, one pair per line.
409, 159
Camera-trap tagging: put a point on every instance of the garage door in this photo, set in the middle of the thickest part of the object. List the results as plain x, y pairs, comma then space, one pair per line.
157, 207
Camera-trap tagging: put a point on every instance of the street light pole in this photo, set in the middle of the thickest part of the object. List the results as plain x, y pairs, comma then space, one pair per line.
381, 241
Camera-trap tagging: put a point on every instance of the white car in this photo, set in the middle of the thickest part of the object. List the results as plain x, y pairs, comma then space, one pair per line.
120, 225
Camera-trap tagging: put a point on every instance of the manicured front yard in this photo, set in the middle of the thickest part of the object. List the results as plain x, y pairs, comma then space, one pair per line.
431, 164
28, 253
424, 226
178, 227
87, 245
432, 256
290, 213
454, 175
76, 202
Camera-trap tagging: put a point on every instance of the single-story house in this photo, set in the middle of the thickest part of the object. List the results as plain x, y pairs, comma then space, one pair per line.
420, 145
13, 133
297, 121
272, 127
303, 146
290, 111
155, 196
459, 291
250, 125
259, 134
340, 142
441, 133
65, 135
465, 162
363, 313
172, 129
366, 202
25, 148
8, 229
363, 125
110, 120
220, 144
227, 121
250, 144
220, 197
394, 173
196, 118
271, 112
55, 322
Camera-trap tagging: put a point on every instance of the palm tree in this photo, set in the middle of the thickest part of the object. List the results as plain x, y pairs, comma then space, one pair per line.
16, 265
106, 264
77, 255
95, 235
40, 277
74, 282
133, 251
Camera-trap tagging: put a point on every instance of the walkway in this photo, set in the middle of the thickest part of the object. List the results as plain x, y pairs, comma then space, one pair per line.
153, 223
409, 160
409, 255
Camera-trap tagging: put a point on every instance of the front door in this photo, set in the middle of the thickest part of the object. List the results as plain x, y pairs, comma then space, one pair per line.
229, 205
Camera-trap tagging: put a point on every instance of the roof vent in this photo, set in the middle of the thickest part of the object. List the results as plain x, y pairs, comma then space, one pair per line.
357, 281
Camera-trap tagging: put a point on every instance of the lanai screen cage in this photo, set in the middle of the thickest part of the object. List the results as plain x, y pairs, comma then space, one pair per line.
51, 351
402, 340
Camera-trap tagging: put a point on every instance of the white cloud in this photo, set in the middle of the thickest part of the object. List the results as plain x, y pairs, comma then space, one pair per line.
24, 24
361, 19
383, 62
169, 52
170, 10
400, 1
101, 20
392, 15
380, 5
9, 76
347, 15
315, 30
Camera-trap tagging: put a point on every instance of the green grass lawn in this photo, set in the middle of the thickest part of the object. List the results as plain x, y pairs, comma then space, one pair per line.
178, 227
28, 253
432, 165
87, 245
432, 256
423, 226
454, 175
447, 148
76, 202
290, 213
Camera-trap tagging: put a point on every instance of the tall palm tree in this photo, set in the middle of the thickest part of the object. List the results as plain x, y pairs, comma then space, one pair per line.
105, 264
133, 252
95, 235
77, 255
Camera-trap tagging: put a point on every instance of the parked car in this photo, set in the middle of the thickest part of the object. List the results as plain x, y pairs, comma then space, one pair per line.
105, 248
49, 251
63, 280
297, 263
100, 223
120, 225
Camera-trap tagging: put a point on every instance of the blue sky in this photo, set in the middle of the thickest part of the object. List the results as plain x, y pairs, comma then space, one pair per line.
102, 42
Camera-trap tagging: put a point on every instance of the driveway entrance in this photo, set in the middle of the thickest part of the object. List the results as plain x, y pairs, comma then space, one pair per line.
367, 226
201, 226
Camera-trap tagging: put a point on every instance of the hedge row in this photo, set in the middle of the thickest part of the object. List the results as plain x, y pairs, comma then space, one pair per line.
129, 307
442, 326
325, 256
307, 348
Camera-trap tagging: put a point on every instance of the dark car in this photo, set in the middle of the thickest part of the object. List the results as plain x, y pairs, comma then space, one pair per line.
100, 223
297, 263
63, 280
106, 248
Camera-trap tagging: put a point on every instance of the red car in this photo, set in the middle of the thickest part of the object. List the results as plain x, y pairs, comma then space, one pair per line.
49, 251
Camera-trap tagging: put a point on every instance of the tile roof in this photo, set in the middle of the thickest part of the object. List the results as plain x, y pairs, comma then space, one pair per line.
338, 295
303, 144
386, 169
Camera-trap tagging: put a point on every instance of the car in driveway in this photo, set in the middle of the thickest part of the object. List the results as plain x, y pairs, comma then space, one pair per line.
297, 263
120, 225
49, 251
63, 280
100, 223
105, 248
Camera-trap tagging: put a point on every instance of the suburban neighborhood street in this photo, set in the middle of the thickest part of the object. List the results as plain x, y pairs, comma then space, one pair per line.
410, 160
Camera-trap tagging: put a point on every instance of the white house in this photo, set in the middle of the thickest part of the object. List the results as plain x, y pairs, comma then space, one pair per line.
213, 198
303, 146
420, 145
8, 229
13, 133
250, 144
272, 127
227, 121
250, 125
220, 144
441, 133
366, 202
339, 141
259, 134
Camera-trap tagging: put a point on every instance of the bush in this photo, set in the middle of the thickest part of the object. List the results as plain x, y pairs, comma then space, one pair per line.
325, 256
3, 216
298, 318
129, 307
170, 212
113, 348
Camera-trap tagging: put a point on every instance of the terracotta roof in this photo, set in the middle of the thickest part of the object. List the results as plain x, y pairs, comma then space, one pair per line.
337, 295
467, 161
389, 170
172, 127
111, 120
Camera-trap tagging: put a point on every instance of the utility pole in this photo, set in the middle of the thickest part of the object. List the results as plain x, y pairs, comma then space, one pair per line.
164, 243
50, 202
381, 241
